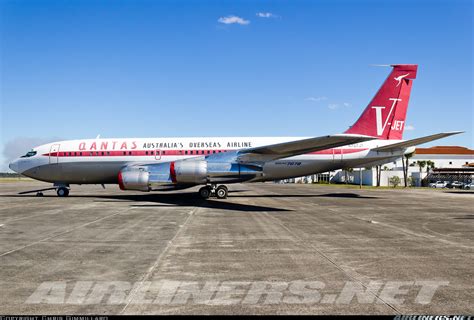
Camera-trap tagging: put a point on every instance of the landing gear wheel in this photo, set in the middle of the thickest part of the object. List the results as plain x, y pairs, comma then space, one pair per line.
62, 192
205, 192
221, 192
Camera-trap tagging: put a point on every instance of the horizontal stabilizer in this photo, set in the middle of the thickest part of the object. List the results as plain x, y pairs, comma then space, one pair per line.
414, 142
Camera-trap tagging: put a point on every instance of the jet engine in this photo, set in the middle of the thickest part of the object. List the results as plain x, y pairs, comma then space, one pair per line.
182, 173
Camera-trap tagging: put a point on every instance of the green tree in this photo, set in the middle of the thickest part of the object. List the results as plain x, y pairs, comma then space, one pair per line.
429, 166
395, 181
405, 159
421, 164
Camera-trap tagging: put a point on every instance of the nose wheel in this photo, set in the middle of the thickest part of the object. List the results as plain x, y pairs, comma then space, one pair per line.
219, 192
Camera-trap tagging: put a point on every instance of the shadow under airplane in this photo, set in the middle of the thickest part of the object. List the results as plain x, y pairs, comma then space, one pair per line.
326, 195
192, 199
182, 199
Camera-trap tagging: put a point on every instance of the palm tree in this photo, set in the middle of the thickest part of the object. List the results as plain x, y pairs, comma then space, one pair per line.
421, 164
405, 167
378, 169
429, 165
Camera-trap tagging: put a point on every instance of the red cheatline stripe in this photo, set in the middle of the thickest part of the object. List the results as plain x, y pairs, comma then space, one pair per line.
164, 153
124, 153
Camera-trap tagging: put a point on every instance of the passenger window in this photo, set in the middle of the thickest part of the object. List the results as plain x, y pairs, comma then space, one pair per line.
186, 152
146, 152
103, 153
80, 153
130, 153
152, 152
91, 154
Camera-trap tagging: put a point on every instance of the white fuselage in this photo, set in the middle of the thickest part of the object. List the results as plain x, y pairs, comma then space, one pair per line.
98, 161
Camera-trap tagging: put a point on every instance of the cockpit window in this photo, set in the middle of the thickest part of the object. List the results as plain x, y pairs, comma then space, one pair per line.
29, 154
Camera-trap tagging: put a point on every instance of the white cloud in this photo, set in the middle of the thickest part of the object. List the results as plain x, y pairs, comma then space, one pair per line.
409, 127
334, 106
233, 20
316, 99
266, 15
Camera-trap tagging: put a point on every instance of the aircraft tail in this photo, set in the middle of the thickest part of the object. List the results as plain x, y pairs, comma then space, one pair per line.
385, 115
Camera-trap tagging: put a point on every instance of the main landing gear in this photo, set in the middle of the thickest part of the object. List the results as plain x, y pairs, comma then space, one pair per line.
220, 192
62, 192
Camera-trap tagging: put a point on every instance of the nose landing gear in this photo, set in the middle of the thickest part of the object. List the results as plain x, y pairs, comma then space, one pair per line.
220, 192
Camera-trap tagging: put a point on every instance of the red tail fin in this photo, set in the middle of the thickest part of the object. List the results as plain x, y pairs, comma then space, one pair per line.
385, 115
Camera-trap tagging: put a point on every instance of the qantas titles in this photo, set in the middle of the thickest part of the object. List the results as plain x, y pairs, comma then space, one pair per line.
131, 145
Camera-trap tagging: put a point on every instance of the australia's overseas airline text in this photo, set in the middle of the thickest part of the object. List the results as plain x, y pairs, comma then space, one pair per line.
125, 145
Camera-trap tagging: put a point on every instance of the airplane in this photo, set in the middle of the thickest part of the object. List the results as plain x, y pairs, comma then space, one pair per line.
154, 164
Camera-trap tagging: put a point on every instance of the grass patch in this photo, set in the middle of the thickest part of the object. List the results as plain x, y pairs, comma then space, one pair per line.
20, 179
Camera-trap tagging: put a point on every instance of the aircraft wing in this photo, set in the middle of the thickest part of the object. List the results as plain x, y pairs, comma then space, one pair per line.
413, 142
297, 147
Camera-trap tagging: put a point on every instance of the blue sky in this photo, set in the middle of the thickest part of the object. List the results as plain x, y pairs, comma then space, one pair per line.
75, 69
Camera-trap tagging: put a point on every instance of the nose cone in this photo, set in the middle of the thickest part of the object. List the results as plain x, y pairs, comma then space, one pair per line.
14, 166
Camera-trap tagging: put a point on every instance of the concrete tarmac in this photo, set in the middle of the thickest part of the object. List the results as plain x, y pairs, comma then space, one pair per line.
267, 249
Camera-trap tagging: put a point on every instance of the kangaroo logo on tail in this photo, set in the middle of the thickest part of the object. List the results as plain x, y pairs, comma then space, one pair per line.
384, 116
399, 78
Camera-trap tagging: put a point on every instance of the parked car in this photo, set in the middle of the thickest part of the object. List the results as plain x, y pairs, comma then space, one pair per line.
455, 184
469, 186
438, 184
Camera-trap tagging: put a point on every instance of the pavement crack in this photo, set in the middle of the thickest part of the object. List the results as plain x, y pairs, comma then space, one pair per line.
158, 260
59, 234
348, 273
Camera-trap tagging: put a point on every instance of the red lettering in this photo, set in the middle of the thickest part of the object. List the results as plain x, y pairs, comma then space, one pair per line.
93, 146
113, 145
103, 145
123, 146
134, 145
82, 146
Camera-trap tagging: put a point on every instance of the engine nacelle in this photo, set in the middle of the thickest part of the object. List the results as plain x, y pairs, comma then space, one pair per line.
169, 175
134, 178
189, 172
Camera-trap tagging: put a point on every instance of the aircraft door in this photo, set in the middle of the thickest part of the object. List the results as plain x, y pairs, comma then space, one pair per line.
157, 154
54, 154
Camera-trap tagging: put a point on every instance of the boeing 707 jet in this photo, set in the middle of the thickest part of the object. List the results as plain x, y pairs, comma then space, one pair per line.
152, 164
